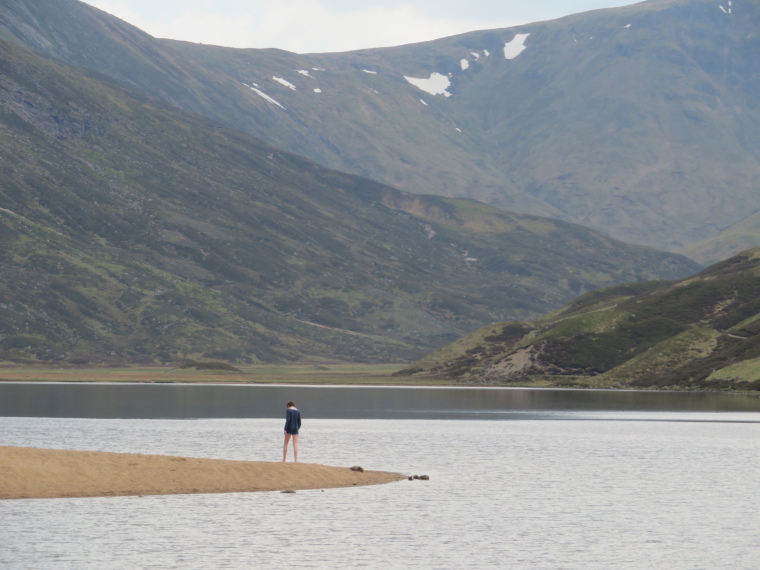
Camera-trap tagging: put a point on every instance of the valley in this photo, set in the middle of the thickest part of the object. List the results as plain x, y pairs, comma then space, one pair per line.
136, 232
164, 203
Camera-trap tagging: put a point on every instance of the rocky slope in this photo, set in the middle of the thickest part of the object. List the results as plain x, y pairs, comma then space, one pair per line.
641, 121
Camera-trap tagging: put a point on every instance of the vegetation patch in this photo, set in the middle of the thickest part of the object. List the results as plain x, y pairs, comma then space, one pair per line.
744, 371
665, 356
211, 366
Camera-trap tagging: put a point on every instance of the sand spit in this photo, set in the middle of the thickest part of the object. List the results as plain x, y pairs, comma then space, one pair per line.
27, 472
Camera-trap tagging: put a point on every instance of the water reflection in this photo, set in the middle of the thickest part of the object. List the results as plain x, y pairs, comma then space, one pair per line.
152, 401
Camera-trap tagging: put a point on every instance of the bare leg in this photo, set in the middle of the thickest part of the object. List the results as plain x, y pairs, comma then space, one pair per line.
285, 447
295, 448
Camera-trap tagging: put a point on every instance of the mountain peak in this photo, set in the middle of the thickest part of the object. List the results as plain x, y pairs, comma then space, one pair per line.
639, 121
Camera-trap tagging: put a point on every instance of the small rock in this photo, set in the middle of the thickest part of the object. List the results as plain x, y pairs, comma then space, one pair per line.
411, 478
424, 478
288, 491
357, 468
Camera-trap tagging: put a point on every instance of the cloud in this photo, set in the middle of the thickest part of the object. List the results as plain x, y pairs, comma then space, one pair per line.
123, 9
293, 27
297, 25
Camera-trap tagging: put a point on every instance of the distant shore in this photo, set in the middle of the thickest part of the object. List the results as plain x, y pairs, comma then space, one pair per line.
347, 374
27, 473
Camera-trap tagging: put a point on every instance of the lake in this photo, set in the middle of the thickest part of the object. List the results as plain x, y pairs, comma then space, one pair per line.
184, 401
553, 486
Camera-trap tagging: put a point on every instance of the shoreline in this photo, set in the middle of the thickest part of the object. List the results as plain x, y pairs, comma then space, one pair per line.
431, 384
36, 473
301, 375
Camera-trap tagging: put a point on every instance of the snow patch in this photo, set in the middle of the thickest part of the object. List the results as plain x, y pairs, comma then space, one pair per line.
627, 26
317, 91
465, 64
458, 129
485, 51
424, 103
476, 55
515, 47
722, 8
264, 96
318, 69
304, 72
284, 82
369, 71
436, 84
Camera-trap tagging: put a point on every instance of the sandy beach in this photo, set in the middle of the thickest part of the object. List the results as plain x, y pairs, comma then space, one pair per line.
47, 473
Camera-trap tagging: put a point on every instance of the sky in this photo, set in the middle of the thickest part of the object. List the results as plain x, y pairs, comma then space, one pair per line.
312, 26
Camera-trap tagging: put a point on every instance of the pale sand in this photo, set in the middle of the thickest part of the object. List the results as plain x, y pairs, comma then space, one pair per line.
27, 472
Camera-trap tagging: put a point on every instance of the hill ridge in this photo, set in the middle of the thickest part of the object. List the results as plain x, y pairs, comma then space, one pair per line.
639, 121
701, 332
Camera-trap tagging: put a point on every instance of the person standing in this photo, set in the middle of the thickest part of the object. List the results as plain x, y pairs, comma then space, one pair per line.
292, 425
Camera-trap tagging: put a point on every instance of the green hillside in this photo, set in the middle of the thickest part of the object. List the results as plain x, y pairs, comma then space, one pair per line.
702, 332
133, 231
641, 121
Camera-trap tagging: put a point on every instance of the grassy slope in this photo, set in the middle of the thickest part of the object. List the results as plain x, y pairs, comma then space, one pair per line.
699, 332
136, 232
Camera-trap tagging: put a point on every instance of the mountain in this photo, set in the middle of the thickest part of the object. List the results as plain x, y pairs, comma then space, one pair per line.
701, 332
742, 235
642, 122
134, 231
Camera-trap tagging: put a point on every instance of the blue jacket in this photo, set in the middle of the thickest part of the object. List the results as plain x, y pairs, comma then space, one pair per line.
292, 421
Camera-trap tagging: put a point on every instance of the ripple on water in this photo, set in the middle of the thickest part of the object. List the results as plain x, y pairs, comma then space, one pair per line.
518, 494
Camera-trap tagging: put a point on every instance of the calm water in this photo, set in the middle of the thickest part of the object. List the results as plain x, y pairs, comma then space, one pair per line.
151, 401
588, 489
